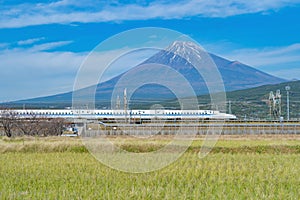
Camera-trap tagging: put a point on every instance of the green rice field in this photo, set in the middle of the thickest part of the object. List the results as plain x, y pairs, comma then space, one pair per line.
239, 167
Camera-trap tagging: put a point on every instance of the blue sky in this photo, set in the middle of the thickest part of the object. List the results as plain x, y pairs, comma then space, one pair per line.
43, 43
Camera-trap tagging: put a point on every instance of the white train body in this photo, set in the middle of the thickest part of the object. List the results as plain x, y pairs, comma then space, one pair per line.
121, 114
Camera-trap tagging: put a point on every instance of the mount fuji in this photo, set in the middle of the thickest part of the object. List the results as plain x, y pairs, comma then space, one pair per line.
235, 75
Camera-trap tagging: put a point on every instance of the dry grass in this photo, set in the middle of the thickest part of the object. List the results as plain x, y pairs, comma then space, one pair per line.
41, 144
226, 144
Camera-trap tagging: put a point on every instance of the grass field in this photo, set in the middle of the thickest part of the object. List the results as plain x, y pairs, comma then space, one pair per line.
239, 167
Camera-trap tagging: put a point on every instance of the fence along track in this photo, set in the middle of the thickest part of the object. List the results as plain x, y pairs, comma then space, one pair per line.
192, 127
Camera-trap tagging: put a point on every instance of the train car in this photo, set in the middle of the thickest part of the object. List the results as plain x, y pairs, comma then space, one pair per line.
122, 114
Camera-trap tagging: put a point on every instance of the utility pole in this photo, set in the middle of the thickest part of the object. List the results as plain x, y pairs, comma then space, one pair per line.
287, 88
271, 102
118, 104
278, 103
125, 104
229, 107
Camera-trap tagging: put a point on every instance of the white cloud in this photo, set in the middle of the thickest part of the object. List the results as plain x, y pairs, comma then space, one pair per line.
69, 11
289, 73
30, 46
31, 72
30, 41
266, 56
3, 45
49, 46
280, 61
104, 65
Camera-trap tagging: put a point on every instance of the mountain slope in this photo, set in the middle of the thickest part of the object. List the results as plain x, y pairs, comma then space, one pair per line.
236, 76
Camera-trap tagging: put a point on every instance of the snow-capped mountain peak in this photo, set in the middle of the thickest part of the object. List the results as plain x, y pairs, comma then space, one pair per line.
187, 50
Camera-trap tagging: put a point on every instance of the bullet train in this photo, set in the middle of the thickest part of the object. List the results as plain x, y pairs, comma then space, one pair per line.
122, 114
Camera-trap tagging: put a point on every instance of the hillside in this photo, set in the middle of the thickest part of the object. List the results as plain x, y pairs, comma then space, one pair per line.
252, 103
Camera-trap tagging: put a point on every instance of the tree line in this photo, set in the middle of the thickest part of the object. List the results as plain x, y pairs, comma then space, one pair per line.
34, 125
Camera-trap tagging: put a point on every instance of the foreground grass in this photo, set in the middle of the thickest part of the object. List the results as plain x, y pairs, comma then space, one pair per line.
220, 176
54, 168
